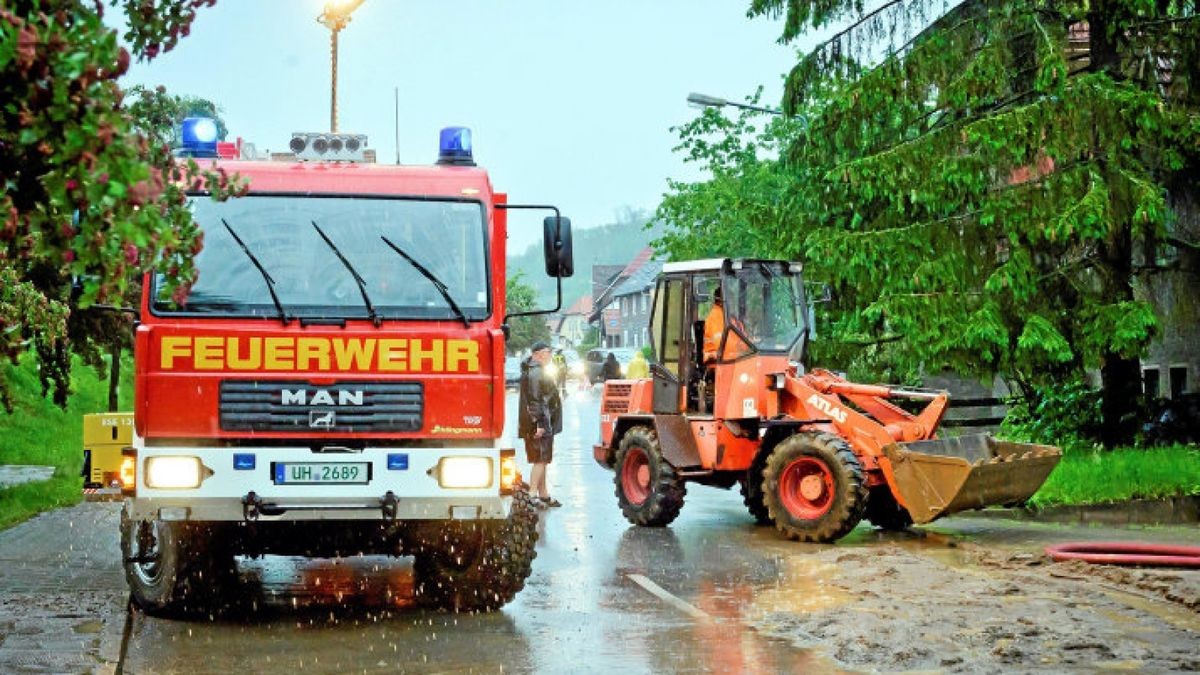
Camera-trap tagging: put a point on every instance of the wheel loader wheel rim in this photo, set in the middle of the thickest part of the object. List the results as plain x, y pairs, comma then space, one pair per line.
806, 488
635, 476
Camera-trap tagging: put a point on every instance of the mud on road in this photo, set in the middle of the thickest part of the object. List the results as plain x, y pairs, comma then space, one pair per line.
970, 608
959, 597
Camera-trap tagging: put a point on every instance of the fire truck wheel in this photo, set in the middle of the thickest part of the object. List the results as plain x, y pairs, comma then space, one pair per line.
480, 565
648, 489
814, 487
165, 566
883, 511
752, 490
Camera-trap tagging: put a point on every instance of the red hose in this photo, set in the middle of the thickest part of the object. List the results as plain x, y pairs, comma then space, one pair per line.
1127, 553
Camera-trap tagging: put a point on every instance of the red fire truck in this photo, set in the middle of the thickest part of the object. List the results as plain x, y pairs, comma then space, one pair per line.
334, 382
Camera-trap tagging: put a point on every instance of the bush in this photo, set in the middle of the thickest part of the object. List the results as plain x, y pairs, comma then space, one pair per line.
1065, 415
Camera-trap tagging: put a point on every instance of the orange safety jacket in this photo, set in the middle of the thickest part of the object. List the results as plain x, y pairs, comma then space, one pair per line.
713, 325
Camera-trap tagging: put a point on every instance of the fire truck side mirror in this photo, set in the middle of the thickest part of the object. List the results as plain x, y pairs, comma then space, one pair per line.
560, 261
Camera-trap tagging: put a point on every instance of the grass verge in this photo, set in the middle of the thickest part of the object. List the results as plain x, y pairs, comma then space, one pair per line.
38, 432
1105, 476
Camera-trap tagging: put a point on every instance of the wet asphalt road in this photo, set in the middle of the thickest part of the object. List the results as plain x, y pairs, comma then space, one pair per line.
603, 596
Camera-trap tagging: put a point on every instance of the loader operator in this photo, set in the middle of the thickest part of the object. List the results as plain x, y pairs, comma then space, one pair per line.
714, 325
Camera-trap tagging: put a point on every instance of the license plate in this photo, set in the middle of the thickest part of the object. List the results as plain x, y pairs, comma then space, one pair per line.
322, 473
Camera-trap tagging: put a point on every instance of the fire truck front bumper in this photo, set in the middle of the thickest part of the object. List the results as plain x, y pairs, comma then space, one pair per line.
299, 484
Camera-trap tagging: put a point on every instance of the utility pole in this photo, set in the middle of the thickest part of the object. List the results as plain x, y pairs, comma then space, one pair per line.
335, 17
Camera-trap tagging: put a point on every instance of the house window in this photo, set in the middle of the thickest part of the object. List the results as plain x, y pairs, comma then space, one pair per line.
1178, 377
1150, 382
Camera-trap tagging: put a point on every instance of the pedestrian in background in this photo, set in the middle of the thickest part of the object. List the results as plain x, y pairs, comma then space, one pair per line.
539, 411
560, 372
638, 368
611, 369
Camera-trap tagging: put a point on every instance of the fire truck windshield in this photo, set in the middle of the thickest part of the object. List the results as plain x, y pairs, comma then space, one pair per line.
316, 280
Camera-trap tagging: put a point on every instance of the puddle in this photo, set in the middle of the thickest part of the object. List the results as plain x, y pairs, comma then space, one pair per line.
804, 585
1179, 617
88, 627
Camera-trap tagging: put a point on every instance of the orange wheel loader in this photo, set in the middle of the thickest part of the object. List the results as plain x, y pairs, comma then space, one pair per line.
814, 454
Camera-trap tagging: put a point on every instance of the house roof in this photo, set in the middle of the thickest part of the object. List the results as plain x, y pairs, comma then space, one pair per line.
604, 297
640, 280
581, 306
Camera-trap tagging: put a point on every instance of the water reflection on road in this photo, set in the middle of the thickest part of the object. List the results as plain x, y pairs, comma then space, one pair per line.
603, 596
578, 612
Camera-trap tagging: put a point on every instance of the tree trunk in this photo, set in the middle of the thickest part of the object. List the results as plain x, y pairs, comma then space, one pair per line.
114, 377
1120, 376
1121, 392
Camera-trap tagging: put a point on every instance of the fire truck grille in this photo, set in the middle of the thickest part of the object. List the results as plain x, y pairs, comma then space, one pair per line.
304, 408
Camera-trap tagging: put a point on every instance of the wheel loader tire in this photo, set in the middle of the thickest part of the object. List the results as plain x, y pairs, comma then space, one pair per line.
169, 568
649, 491
883, 511
752, 490
814, 488
483, 564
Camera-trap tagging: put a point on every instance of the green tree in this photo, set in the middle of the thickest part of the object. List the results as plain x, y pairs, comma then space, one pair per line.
986, 196
158, 114
746, 205
523, 330
89, 201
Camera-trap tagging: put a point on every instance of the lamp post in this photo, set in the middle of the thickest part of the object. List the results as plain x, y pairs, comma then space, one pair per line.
706, 101
335, 16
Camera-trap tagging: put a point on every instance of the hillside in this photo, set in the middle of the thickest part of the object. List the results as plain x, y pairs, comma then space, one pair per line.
612, 244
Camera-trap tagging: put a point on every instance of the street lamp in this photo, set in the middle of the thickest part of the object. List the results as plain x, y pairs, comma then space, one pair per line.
335, 16
706, 101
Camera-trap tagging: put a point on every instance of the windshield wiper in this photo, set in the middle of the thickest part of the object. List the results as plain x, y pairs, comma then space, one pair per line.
431, 277
270, 282
362, 285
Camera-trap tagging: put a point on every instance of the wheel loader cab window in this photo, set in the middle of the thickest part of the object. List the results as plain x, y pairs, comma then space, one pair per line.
764, 304
668, 324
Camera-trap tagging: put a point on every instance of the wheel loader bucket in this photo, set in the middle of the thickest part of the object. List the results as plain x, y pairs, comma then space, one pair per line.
940, 477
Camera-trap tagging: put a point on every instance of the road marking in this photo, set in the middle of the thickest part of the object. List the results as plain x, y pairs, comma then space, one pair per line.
666, 597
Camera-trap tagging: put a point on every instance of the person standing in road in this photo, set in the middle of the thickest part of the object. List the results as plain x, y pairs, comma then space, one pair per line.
611, 369
560, 372
539, 411
638, 368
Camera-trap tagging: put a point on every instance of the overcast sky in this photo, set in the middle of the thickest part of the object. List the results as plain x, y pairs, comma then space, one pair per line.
570, 102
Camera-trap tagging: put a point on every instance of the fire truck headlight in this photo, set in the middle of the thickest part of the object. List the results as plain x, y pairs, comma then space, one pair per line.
174, 472
464, 472
551, 370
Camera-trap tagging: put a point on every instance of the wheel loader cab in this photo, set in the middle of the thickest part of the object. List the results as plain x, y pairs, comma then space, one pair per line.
760, 325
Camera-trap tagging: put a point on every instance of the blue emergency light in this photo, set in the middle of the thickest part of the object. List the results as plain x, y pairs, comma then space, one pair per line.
455, 147
199, 137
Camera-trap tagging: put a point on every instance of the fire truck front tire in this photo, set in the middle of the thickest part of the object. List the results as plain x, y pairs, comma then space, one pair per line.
814, 487
478, 565
649, 491
167, 567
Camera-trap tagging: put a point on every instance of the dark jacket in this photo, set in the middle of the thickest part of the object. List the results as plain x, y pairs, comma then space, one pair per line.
611, 369
539, 404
